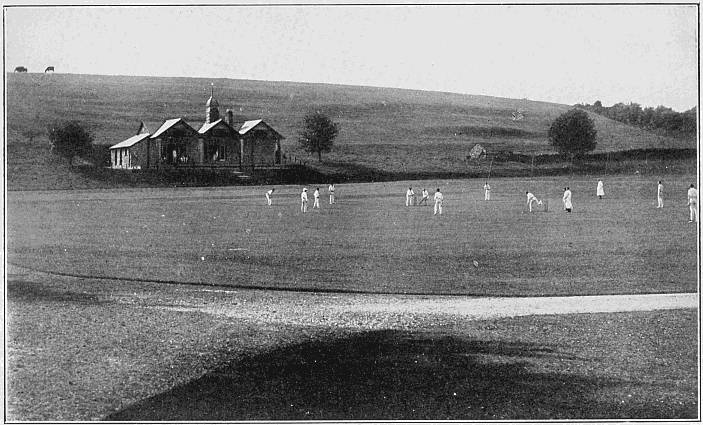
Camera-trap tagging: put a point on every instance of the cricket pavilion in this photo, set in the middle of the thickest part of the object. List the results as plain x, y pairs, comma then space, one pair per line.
219, 143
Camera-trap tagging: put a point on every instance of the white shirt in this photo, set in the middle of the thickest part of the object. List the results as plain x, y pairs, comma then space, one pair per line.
599, 189
270, 192
487, 187
316, 194
567, 199
692, 196
425, 193
660, 189
438, 197
409, 192
304, 196
530, 197
331, 188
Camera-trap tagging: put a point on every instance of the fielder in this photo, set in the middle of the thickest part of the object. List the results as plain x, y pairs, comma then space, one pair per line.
599, 190
304, 200
268, 196
438, 198
660, 194
693, 204
331, 190
566, 199
316, 196
409, 197
487, 188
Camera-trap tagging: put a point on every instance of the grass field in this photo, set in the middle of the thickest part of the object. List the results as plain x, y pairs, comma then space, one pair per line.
528, 368
369, 241
127, 342
87, 349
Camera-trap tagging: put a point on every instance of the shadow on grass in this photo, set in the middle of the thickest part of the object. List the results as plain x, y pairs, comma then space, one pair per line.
34, 291
389, 375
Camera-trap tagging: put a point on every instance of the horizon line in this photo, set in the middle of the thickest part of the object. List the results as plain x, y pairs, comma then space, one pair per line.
342, 84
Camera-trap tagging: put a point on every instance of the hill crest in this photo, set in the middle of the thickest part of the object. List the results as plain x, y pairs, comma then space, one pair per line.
382, 128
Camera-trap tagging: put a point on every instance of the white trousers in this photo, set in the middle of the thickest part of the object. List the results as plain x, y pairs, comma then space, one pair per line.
660, 202
488, 195
408, 200
316, 204
331, 198
693, 209
304, 206
268, 199
438, 207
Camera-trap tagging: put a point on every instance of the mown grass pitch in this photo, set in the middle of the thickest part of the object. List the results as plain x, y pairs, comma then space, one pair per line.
369, 240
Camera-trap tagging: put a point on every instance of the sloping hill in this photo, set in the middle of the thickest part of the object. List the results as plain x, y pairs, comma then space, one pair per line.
380, 127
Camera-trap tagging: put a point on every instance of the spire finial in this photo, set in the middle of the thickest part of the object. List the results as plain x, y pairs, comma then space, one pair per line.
211, 112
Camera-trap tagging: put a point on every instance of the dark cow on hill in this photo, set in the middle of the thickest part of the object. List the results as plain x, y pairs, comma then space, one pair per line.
49, 68
20, 69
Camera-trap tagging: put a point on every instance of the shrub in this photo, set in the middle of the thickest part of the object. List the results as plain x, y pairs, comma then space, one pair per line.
70, 139
573, 133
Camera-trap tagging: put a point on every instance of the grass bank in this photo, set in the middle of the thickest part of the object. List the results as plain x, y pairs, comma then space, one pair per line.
358, 169
81, 349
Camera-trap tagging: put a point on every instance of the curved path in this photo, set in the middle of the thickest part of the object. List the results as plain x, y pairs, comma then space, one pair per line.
369, 311
350, 309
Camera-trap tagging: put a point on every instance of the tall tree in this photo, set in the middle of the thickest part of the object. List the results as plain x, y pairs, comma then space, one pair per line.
70, 139
573, 133
318, 133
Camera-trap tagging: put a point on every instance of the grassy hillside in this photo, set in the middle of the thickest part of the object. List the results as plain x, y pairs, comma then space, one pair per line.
392, 129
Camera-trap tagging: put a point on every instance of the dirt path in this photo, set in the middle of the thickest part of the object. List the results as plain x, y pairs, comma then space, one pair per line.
389, 311
482, 308
350, 310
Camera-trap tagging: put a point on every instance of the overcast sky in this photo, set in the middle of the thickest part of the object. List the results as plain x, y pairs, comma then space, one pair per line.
566, 54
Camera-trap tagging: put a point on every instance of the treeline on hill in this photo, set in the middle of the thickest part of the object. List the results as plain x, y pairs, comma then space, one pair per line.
660, 119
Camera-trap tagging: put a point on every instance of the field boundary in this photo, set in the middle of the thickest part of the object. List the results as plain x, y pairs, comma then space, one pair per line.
319, 290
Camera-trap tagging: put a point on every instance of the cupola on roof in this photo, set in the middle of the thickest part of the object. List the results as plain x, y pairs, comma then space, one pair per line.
212, 113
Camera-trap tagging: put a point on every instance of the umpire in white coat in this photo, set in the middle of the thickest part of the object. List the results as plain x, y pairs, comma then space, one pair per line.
567, 199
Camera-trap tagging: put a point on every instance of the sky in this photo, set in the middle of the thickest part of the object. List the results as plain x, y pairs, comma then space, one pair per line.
567, 54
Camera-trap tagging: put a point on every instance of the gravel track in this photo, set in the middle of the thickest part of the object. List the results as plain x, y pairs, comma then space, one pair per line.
370, 311
401, 311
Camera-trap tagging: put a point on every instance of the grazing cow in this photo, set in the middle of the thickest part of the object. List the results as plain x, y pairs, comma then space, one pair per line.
49, 68
20, 69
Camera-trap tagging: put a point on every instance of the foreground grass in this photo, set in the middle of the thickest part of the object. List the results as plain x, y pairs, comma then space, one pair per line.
80, 354
557, 367
82, 349
369, 241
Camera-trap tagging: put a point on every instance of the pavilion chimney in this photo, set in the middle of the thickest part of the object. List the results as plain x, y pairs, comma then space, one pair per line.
230, 117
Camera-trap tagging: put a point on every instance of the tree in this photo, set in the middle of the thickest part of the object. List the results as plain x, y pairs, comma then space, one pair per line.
70, 139
318, 134
573, 133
